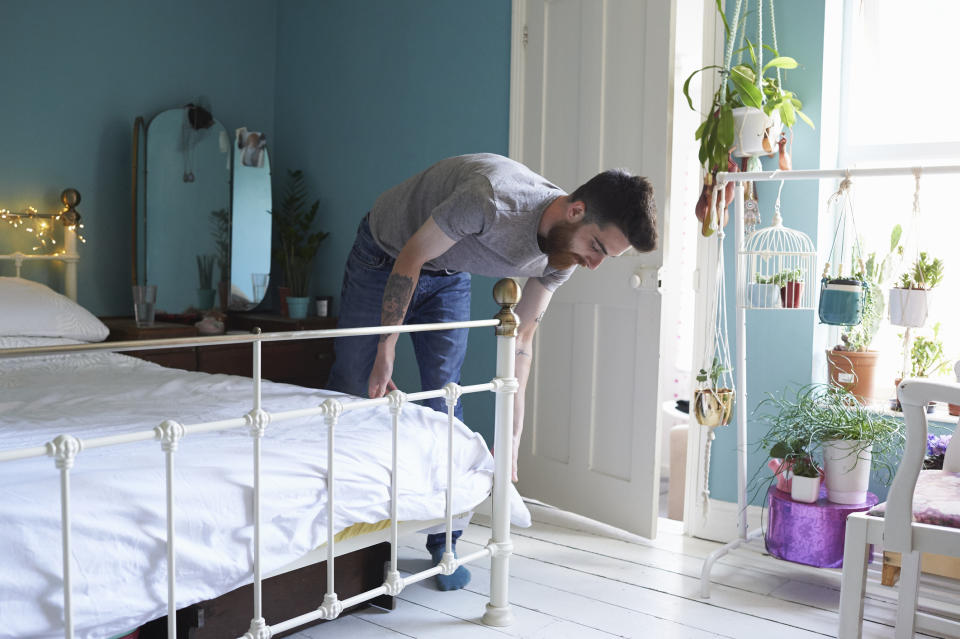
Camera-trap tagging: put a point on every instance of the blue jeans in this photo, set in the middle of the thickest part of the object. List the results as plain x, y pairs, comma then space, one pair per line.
439, 297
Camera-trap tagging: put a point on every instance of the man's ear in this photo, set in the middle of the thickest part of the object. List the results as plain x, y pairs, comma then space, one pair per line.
576, 211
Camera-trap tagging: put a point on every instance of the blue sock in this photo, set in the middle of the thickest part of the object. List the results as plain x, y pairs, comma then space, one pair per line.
437, 544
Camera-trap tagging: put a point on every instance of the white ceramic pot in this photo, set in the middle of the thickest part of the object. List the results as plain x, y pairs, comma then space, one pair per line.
909, 306
805, 489
764, 295
751, 126
847, 471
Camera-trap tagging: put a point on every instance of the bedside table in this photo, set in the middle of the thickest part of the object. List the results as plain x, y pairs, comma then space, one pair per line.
124, 329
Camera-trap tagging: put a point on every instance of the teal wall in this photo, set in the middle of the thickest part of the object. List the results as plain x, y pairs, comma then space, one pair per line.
360, 95
369, 93
76, 75
779, 343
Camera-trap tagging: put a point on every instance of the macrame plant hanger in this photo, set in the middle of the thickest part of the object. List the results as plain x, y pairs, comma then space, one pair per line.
715, 394
842, 296
908, 304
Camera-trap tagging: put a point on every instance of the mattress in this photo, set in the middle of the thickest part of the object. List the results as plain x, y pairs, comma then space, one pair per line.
118, 493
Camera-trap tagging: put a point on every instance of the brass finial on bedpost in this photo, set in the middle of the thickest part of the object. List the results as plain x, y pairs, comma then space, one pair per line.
506, 293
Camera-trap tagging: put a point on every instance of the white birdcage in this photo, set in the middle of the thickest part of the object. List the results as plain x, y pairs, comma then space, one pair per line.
777, 268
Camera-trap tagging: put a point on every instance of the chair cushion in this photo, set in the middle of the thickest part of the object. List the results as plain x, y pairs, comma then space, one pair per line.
936, 499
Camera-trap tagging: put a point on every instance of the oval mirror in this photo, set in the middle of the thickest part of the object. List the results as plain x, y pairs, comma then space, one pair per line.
201, 213
250, 233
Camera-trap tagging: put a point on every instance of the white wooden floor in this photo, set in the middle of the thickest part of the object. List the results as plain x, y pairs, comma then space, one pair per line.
579, 579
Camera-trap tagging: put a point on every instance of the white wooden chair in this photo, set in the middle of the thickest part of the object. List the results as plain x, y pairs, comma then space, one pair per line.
928, 521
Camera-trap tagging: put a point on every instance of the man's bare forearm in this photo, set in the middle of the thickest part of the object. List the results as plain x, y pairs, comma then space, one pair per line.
396, 298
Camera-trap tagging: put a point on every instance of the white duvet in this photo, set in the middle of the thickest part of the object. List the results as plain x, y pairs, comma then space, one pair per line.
118, 493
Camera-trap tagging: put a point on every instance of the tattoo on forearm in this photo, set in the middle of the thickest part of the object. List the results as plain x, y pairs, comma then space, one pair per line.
539, 317
520, 351
396, 296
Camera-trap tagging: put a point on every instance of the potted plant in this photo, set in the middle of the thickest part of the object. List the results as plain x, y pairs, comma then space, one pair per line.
763, 292
205, 293
841, 301
743, 118
799, 463
909, 302
851, 364
853, 439
712, 403
297, 242
790, 282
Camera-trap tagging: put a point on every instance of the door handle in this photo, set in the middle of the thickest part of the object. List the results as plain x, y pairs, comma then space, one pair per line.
646, 278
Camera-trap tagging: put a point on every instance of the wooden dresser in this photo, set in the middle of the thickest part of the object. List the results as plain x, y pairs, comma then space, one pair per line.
301, 362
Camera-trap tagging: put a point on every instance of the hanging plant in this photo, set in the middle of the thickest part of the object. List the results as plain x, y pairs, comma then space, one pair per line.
746, 113
909, 302
713, 402
842, 297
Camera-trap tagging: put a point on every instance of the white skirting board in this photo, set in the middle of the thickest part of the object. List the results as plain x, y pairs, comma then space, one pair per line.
720, 522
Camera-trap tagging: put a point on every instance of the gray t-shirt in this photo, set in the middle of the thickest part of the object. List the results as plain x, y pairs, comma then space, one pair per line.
490, 205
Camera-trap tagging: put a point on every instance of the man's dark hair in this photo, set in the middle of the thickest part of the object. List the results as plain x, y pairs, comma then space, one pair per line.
616, 197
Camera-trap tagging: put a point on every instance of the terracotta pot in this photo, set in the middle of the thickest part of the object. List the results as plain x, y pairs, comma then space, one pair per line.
855, 372
790, 294
954, 409
713, 407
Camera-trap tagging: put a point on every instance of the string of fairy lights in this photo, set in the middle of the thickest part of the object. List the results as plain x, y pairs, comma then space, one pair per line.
41, 225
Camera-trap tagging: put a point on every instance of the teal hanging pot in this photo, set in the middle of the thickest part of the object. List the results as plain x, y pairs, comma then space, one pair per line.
841, 301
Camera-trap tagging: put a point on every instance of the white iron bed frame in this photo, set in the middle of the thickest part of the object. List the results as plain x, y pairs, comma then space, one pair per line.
65, 448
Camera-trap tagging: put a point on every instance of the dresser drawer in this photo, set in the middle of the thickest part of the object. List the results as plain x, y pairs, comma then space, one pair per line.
302, 362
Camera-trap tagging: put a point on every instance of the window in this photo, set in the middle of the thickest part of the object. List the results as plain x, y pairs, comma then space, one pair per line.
898, 98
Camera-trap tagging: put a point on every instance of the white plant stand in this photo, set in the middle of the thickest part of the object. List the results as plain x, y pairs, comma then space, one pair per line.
744, 535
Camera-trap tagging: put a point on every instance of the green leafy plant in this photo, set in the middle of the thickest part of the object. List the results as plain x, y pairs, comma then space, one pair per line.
205, 270
800, 421
716, 372
786, 276
297, 242
874, 274
925, 273
739, 88
796, 458
220, 230
926, 355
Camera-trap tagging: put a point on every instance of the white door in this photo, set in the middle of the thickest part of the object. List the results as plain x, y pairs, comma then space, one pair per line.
592, 89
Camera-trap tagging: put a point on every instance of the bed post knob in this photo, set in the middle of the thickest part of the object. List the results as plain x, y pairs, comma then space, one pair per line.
70, 199
506, 293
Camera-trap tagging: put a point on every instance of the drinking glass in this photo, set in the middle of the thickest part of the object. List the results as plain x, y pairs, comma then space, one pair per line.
144, 303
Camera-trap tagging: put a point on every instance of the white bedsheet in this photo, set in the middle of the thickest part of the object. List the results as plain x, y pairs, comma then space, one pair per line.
118, 493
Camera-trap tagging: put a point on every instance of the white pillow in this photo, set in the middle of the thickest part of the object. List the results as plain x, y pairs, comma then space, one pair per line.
30, 309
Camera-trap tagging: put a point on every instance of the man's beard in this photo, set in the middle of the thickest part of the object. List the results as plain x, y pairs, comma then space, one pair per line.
557, 245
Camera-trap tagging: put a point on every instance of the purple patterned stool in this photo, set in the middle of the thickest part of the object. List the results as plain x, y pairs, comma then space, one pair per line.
810, 534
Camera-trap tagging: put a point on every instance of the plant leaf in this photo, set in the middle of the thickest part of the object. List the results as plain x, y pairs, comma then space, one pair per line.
803, 116
895, 236
725, 131
749, 94
781, 62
